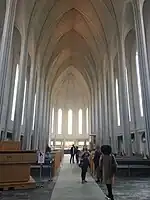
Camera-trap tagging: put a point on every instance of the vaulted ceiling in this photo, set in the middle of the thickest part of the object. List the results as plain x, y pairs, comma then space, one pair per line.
71, 33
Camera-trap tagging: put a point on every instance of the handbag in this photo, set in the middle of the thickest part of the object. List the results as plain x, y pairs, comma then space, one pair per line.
81, 163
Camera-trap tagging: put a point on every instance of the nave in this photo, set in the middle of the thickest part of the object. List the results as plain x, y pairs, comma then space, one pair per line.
69, 187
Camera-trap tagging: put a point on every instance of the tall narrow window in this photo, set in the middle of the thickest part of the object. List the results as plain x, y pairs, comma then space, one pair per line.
80, 121
128, 95
117, 101
60, 121
34, 112
87, 120
139, 84
52, 120
70, 122
24, 100
15, 93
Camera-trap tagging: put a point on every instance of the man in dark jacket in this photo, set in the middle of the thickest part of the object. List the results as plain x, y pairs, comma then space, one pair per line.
96, 162
77, 152
72, 153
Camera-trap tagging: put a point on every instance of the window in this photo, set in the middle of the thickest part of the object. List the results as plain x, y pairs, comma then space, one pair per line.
139, 84
80, 121
81, 143
117, 101
24, 100
70, 122
87, 120
15, 93
128, 95
52, 120
58, 143
60, 121
34, 112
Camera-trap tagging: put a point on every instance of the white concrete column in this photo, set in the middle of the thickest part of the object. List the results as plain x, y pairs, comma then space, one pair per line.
7, 97
100, 113
41, 115
97, 115
46, 110
124, 99
37, 110
20, 89
112, 107
6, 46
48, 118
143, 67
102, 110
30, 105
105, 110
92, 114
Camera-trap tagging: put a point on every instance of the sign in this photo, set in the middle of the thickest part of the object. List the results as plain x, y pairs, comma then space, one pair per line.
41, 157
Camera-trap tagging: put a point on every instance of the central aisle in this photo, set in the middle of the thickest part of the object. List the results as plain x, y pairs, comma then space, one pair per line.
69, 187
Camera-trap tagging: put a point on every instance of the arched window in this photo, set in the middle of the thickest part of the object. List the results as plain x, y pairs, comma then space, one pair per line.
128, 95
60, 121
80, 121
87, 120
70, 122
52, 120
139, 84
15, 93
117, 101
24, 100
34, 112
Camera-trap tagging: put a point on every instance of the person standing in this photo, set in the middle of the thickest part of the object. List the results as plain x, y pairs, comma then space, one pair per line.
84, 164
72, 153
108, 168
97, 155
77, 153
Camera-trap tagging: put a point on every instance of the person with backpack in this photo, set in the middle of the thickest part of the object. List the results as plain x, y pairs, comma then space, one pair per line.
108, 168
96, 158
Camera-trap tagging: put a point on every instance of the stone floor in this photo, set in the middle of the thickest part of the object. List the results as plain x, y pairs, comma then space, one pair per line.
69, 187
137, 189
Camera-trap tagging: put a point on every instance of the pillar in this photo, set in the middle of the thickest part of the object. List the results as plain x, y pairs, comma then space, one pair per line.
6, 46
41, 115
105, 110
7, 97
30, 105
37, 110
100, 113
20, 89
112, 107
123, 99
143, 67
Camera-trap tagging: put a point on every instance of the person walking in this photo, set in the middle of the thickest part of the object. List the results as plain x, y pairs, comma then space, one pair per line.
84, 164
96, 158
108, 168
72, 153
